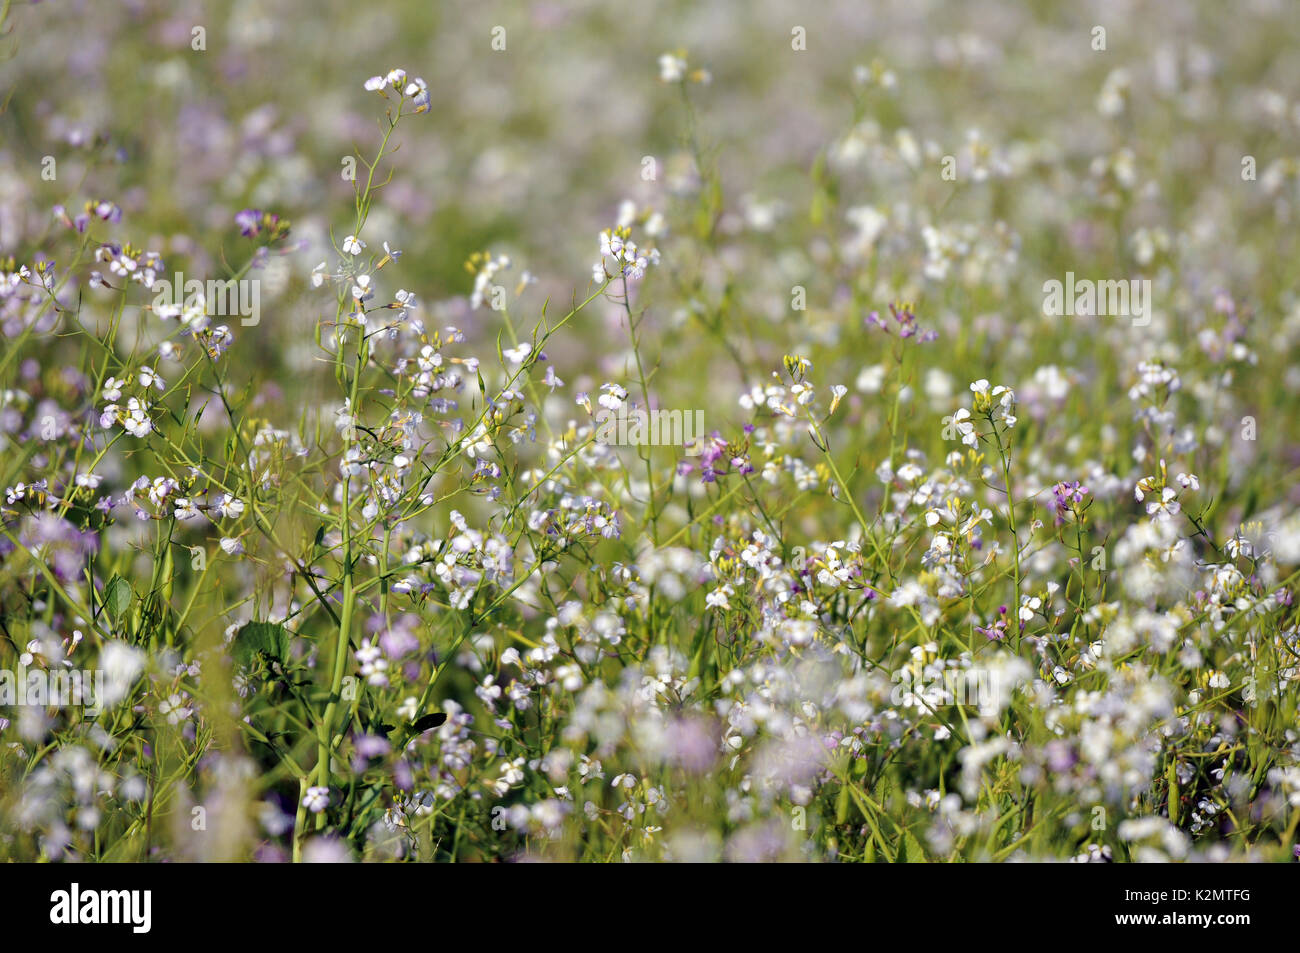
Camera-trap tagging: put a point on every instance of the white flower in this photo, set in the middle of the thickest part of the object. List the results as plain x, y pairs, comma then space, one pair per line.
361, 289
837, 394
394, 80
1166, 507
173, 708
374, 666
613, 397
870, 379
418, 90
137, 422
518, 355
429, 359
195, 316
316, 799
671, 68
230, 507
353, 245
611, 244
961, 420
512, 772
478, 443
122, 665
1238, 546
148, 378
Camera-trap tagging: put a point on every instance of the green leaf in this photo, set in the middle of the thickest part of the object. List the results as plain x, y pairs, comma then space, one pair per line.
268, 639
117, 597
912, 851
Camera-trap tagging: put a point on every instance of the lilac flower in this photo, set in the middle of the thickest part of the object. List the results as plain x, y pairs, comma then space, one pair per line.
1066, 498
248, 221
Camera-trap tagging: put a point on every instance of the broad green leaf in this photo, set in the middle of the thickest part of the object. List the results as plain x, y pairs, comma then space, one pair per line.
117, 597
261, 638
912, 851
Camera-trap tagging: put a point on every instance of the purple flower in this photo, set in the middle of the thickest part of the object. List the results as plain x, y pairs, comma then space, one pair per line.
1066, 498
1059, 756
905, 320
692, 744
59, 543
249, 222
371, 746
400, 640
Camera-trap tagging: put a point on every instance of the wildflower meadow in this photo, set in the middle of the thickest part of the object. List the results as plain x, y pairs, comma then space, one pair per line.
745, 431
